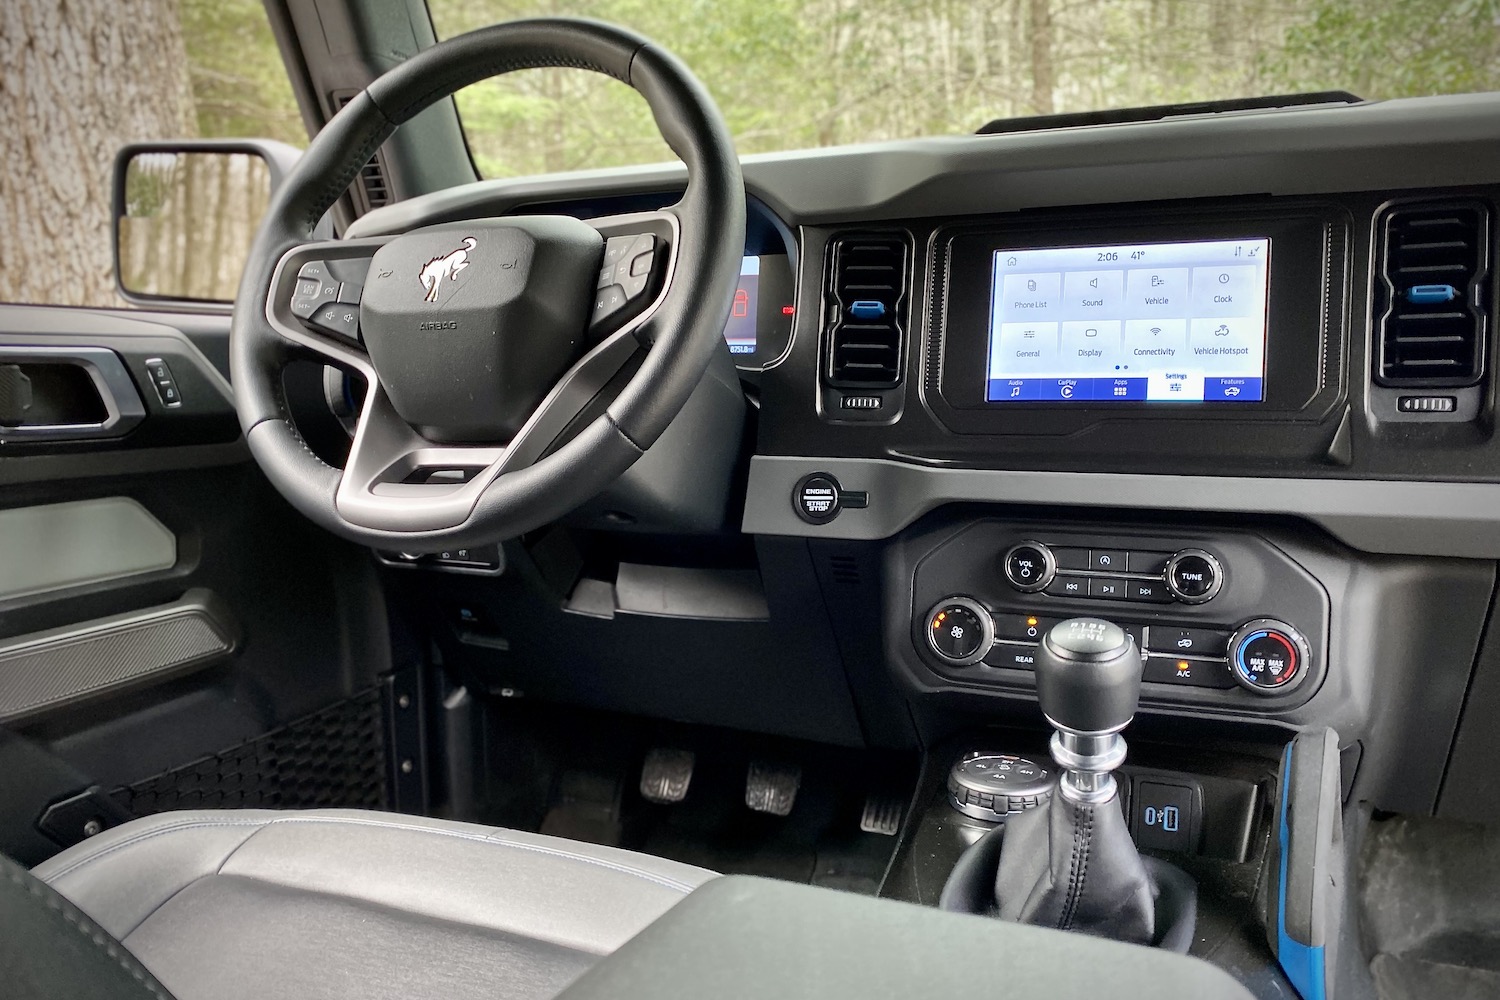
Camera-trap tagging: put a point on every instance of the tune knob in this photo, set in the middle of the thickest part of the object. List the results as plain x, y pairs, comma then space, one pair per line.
1268, 657
1029, 566
1194, 576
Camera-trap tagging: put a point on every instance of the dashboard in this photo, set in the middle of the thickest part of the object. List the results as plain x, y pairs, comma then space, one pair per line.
1225, 379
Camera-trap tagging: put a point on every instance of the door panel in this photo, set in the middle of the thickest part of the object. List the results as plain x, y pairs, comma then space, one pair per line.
287, 710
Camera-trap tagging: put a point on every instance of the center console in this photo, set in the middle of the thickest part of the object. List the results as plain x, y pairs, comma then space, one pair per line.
1226, 619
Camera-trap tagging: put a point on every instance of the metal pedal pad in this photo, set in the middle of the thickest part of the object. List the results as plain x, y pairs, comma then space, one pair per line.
882, 815
772, 788
666, 775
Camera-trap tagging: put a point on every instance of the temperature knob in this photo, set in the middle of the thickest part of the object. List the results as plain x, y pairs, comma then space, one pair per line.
960, 630
1268, 656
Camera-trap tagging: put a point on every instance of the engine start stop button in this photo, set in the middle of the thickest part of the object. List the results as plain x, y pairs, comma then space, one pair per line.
818, 498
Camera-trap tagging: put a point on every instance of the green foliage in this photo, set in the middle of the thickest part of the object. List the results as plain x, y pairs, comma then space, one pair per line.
800, 73
1406, 48
240, 86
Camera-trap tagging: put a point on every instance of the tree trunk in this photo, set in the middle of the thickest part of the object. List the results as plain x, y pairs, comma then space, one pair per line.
78, 78
1043, 67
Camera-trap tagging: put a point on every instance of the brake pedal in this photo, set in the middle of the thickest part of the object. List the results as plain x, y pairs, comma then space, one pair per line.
772, 788
882, 815
666, 775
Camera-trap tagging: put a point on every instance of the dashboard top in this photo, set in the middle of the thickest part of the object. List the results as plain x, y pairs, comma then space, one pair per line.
1429, 142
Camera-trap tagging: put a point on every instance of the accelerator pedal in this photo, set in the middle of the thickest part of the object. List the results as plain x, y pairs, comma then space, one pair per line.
882, 814
772, 788
666, 775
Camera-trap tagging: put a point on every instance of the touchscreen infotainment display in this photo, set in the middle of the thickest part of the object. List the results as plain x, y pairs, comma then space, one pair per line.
1149, 322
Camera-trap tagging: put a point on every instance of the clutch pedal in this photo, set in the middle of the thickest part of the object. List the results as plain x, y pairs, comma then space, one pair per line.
666, 775
882, 815
772, 788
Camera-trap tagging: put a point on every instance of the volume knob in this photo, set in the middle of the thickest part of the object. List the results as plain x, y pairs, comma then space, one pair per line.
1029, 566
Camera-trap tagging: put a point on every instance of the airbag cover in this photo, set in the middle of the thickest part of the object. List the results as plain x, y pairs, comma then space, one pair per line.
470, 324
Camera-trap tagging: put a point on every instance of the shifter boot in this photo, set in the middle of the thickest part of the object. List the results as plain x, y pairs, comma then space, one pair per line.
1073, 866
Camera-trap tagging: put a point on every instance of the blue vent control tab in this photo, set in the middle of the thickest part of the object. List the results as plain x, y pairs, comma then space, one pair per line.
867, 309
1429, 294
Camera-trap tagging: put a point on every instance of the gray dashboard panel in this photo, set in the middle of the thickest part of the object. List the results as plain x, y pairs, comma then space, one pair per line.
1426, 142
1410, 518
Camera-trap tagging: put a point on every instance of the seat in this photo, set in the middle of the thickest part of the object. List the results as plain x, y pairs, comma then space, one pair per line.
364, 905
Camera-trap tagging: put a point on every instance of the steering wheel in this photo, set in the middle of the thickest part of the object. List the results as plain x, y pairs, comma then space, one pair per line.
491, 349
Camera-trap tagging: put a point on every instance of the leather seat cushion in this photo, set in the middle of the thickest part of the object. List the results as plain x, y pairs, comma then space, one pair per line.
343, 903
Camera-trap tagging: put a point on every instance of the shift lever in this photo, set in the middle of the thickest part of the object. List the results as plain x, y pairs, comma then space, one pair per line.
1088, 681
1071, 864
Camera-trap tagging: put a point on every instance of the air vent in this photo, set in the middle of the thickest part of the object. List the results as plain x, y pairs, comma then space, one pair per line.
1433, 328
370, 189
868, 294
844, 570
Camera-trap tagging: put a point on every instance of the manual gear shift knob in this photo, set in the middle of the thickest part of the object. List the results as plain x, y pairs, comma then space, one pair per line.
1088, 676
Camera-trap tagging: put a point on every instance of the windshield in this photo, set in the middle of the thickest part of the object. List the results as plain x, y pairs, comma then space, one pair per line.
792, 74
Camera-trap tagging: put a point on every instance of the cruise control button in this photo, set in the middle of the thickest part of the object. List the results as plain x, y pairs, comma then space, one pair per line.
1108, 588
1187, 672
1014, 655
350, 292
1187, 641
1149, 591
1026, 628
1069, 586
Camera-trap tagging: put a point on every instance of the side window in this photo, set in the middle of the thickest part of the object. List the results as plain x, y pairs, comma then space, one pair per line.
95, 75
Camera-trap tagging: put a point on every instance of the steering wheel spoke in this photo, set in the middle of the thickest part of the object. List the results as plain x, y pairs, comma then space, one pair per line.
397, 480
640, 260
314, 301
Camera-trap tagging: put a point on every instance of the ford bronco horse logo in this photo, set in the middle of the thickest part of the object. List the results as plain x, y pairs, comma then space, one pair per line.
447, 266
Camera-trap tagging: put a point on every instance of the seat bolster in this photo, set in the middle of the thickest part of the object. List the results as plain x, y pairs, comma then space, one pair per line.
579, 896
120, 877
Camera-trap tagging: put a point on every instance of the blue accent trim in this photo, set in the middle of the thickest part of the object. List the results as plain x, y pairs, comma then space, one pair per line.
867, 309
1428, 294
1302, 963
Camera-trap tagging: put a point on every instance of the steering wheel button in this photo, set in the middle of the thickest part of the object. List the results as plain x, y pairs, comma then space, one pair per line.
606, 276
350, 292
608, 302
339, 320
616, 248
642, 264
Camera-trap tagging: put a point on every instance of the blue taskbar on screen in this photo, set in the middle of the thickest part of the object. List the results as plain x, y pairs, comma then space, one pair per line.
1150, 322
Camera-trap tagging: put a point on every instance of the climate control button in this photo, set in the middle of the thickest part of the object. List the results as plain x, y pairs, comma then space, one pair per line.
960, 630
1029, 566
1268, 656
1194, 576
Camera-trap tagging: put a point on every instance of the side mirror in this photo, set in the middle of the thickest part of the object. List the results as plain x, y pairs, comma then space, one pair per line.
185, 213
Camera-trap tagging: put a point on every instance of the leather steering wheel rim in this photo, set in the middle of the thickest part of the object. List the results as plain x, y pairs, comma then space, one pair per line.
683, 332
